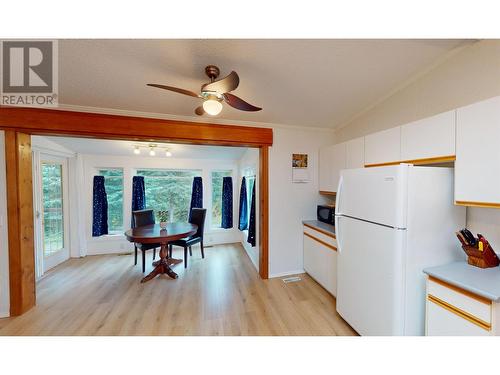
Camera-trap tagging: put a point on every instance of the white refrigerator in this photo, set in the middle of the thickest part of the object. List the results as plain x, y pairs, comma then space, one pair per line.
391, 222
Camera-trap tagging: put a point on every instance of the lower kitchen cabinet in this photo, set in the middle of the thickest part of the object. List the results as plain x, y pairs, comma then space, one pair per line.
451, 311
320, 257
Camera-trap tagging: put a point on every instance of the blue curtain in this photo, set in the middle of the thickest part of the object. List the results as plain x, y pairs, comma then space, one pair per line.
251, 226
243, 220
138, 195
227, 202
100, 208
196, 195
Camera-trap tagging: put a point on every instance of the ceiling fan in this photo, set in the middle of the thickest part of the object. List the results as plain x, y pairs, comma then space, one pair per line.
214, 93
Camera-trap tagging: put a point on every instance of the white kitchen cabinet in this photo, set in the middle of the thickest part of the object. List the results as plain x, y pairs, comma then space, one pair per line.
320, 258
331, 160
442, 322
355, 153
383, 147
432, 137
477, 166
452, 311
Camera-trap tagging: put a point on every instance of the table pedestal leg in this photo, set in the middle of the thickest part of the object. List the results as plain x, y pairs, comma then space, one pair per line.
163, 265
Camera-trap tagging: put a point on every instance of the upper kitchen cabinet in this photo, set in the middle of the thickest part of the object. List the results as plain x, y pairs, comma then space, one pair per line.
383, 147
477, 166
431, 139
331, 160
355, 153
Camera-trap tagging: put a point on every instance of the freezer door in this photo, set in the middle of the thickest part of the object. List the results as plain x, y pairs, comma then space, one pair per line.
375, 194
370, 277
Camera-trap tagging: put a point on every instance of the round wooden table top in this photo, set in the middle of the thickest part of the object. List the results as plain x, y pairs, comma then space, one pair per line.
154, 234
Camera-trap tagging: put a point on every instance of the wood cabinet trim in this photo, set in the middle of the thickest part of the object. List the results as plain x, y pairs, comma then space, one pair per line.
323, 192
462, 291
320, 241
477, 204
434, 160
326, 233
459, 312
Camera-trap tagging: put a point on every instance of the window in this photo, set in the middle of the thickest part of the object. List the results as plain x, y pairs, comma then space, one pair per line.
53, 218
113, 182
169, 190
250, 183
217, 196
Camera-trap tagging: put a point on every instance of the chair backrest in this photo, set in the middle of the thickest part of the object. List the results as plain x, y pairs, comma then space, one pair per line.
142, 218
198, 218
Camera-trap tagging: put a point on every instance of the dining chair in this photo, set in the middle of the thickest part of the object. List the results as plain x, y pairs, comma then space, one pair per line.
197, 218
141, 218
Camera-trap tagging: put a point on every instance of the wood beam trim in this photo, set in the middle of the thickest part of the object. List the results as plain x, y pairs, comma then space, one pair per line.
20, 222
49, 121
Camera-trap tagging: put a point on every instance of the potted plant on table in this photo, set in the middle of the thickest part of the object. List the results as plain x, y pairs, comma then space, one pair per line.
163, 217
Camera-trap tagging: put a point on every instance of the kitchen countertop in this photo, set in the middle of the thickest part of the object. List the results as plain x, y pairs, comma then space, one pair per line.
320, 225
484, 282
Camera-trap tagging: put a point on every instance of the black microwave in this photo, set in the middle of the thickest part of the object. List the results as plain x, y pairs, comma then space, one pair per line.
326, 214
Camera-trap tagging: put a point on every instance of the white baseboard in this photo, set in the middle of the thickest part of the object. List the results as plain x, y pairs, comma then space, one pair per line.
4, 314
281, 274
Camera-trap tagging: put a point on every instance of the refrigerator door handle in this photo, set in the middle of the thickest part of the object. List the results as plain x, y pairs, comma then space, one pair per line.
337, 233
339, 195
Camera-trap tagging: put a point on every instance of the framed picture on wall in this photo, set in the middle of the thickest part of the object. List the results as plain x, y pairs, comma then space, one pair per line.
300, 168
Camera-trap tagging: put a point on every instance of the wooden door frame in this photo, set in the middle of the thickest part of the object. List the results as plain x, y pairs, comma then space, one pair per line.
20, 123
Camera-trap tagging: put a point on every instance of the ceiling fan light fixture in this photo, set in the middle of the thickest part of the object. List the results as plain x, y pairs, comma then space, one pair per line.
212, 107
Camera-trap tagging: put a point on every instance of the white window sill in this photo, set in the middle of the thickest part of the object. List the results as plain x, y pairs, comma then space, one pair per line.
108, 237
218, 229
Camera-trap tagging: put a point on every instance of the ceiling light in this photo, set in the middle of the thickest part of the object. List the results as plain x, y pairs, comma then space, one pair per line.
168, 153
212, 107
137, 150
152, 150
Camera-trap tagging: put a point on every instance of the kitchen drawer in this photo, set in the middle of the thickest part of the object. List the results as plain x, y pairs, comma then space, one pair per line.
323, 237
462, 303
442, 322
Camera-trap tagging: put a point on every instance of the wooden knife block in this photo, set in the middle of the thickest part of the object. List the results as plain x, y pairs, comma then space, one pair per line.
482, 259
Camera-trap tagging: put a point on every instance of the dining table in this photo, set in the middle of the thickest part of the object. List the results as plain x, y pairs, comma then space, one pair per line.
153, 233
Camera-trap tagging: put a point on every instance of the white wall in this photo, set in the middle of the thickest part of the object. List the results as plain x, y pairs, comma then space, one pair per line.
471, 75
250, 161
290, 203
118, 243
4, 251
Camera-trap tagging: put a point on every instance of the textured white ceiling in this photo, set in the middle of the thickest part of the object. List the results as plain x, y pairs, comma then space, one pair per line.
126, 148
320, 83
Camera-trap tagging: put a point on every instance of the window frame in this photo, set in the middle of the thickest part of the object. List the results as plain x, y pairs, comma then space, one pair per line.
214, 228
98, 173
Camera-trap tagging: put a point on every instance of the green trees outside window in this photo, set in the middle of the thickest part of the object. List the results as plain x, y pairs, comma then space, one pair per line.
113, 182
169, 190
217, 196
52, 202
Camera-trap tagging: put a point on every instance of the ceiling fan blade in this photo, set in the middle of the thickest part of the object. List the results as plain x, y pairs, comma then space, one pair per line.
175, 89
238, 103
225, 84
199, 111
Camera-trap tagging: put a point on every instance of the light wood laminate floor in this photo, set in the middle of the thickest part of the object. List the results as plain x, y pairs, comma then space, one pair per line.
219, 295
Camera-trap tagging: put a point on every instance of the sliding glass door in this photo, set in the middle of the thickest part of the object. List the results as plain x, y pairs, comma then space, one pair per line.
51, 216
